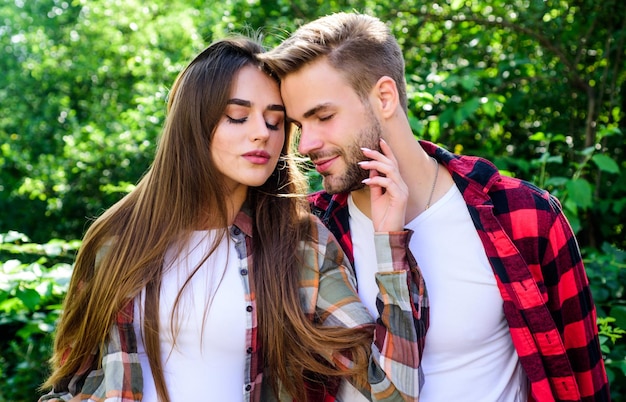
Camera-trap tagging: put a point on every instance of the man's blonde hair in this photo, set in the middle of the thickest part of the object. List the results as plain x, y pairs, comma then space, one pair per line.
360, 46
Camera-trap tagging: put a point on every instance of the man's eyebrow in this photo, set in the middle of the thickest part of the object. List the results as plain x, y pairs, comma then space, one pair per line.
315, 110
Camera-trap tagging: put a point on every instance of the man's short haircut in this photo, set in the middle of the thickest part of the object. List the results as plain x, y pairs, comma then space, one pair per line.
360, 46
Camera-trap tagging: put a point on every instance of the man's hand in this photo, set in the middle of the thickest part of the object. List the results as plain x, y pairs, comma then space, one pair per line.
389, 193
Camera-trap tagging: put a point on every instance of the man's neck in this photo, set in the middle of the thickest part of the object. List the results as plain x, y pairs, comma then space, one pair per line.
363, 201
414, 165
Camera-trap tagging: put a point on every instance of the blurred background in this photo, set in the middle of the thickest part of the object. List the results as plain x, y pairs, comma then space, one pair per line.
538, 87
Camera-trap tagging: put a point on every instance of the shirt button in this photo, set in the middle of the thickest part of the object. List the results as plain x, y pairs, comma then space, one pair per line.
244, 272
249, 309
248, 387
249, 350
236, 230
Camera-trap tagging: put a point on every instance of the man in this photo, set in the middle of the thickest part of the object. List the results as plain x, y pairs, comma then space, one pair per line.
511, 313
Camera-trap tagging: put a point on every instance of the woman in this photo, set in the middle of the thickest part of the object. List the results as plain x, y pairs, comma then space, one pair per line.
211, 270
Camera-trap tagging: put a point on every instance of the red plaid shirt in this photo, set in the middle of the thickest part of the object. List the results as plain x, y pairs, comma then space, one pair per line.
538, 269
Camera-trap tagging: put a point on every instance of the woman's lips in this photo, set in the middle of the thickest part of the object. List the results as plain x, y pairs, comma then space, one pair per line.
257, 157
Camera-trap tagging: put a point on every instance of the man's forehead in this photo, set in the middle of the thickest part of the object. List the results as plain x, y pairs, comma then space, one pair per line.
312, 89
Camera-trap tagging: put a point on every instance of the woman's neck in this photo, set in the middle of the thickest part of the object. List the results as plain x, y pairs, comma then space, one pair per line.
233, 202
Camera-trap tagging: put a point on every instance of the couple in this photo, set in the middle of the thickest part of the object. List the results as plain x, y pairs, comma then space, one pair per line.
213, 281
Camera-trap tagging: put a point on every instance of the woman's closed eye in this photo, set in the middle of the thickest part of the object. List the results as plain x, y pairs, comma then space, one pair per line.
236, 121
269, 124
272, 126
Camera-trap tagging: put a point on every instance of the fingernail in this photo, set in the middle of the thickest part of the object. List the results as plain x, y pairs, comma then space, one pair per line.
365, 149
365, 181
361, 162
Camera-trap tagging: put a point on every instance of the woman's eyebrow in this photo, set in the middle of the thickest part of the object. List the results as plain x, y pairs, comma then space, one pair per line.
240, 102
246, 103
279, 108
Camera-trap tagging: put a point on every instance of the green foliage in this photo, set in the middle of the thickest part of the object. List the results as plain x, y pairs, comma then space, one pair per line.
536, 87
492, 78
606, 269
87, 82
33, 281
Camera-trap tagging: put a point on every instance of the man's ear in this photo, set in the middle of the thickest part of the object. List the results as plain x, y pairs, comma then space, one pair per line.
385, 96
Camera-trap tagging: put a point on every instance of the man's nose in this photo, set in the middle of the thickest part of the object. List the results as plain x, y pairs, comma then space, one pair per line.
309, 141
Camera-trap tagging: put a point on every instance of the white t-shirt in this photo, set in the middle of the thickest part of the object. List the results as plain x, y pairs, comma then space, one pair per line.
209, 356
364, 251
469, 355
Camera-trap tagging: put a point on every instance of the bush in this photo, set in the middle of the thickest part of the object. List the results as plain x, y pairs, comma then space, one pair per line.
606, 269
33, 281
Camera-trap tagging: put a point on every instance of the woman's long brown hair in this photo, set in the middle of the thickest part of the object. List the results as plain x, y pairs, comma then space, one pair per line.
181, 191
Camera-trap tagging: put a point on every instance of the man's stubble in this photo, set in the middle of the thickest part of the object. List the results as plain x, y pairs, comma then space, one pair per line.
352, 178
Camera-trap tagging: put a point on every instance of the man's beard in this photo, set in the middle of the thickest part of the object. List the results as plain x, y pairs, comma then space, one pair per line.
368, 137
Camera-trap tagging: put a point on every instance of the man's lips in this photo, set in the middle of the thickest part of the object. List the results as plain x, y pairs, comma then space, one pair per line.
257, 157
324, 164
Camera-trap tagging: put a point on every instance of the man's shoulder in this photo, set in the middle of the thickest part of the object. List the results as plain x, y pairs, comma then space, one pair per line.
517, 193
479, 175
322, 200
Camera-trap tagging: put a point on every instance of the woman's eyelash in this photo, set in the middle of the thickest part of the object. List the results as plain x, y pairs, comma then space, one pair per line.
244, 119
236, 121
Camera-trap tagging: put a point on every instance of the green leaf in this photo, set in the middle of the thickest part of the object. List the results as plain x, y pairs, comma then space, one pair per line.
10, 306
30, 298
456, 4
466, 110
571, 212
469, 82
538, 137
490, 108
555, 159
580, 192
621, 365
557, 181
605, 163
619, 313
446, 116
588, 151
610, 131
